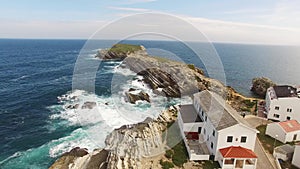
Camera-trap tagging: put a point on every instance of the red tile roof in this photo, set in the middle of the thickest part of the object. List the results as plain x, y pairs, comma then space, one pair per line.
237, 152
290, 126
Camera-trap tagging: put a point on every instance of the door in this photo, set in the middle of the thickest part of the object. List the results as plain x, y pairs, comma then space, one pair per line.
199, 130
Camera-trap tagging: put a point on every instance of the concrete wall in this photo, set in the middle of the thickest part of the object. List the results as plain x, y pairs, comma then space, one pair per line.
296, 157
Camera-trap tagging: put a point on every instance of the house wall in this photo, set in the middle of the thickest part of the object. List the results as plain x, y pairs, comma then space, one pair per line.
209, 138
192, 127
284, 104
237, 131
274, 129
290, 136
296, 157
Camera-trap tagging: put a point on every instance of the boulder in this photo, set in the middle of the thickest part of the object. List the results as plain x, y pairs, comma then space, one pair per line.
88, 105
260, 86
132, 98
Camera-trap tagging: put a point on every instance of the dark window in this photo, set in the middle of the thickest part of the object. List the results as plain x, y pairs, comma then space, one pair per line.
288, 118
202, 113
243, 139
229, 139
289, 110
276, 107
214, 133
211, 145
276, 115
199, 129
206, 118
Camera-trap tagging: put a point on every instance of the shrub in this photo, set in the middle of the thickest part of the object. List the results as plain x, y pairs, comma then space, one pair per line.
169, 154
166, 164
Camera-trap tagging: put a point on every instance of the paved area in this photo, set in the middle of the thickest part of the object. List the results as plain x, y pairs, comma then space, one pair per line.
265, 160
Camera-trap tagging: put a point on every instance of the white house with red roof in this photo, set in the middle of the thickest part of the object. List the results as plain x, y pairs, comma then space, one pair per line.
212, 129
283, 103
286, 131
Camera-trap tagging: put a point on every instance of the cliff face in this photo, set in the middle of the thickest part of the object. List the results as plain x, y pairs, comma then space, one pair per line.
132, 146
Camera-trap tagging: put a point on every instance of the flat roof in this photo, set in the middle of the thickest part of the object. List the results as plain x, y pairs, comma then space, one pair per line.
189, 114
285, 91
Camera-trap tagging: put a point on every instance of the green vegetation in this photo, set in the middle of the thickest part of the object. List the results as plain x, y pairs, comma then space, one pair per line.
211, 165
161, 59
267, 141
169, 154
246, 109
125, 48
250, 103
191, 66
166, 164
198, 79
180, 154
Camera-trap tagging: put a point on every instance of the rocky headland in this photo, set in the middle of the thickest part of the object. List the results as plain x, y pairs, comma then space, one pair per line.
142, 145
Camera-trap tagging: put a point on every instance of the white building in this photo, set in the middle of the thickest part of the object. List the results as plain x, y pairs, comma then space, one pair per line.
286, 131
284, 152
283, 103
212, 129
296, 156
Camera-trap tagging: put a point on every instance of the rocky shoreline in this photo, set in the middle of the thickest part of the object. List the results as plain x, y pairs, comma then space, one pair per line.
133, 146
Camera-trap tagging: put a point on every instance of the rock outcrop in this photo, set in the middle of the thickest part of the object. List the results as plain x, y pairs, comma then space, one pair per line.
130, 146
260, 86
120, 52
88, 105
132, 98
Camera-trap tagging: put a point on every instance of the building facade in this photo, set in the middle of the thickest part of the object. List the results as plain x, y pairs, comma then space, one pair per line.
283, 103
212, 129
286, 131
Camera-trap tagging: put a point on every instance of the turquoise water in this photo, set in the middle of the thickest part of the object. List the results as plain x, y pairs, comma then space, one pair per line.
35, 128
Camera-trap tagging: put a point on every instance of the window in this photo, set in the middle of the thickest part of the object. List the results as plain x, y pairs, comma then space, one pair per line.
204, 131
229, 139
276, 107
276, 115
214, 133
211, 145
206, 118
243, 139
199, 129
202, 113
288, 118
289, 110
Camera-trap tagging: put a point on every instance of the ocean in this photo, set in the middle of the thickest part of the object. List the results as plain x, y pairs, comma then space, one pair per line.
35, 128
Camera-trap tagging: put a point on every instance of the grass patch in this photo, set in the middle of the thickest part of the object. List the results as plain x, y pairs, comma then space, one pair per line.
166, 164
180, 154
267, 141
211, 165
124, 48
191, 66
250, 103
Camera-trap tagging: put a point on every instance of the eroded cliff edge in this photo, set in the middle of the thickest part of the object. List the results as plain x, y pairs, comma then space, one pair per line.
141, 145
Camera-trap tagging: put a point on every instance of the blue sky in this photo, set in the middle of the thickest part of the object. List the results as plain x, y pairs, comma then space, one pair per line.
81, 18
